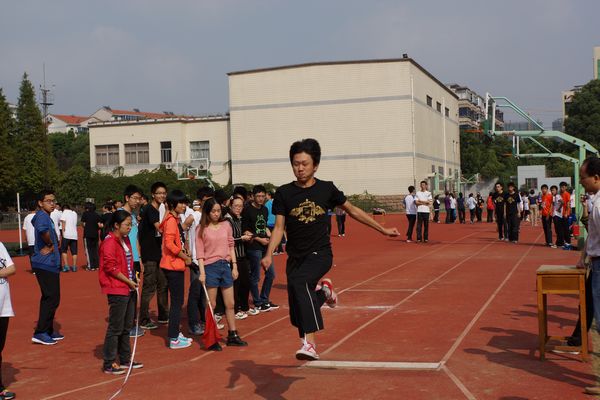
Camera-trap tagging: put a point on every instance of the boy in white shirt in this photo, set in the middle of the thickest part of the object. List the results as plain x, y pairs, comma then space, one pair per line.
68, 220
55, 216
423, 200
30, 230
557, 205
411, 212
472, 205
7, 268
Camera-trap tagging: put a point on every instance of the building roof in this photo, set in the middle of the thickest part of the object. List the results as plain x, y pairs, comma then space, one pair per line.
152, 115
70, 119
169, 119
375, 61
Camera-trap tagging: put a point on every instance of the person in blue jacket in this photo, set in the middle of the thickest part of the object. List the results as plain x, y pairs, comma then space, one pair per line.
45, 262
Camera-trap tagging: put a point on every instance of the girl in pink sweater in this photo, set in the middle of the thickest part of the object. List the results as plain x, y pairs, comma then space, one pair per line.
215, 252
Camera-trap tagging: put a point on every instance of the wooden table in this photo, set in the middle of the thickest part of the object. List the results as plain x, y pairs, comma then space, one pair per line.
560, 279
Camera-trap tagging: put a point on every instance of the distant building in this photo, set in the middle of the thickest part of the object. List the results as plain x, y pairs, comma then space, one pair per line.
534, 176
558, 124
567, 98
108, 114
66, 123
521, 126
471, 109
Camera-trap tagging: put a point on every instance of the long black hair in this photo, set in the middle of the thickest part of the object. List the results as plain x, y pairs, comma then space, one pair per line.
117, 218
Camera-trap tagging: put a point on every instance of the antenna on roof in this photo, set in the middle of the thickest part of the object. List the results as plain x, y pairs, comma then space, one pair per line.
47, 97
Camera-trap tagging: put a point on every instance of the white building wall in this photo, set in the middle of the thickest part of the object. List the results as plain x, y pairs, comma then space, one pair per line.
179, 133
538, 172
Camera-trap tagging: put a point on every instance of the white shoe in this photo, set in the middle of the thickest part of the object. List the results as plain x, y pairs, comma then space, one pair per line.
330, 295
241, 315
307, 352
253, 311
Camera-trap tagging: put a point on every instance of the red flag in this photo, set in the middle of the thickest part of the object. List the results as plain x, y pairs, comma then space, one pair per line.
211, 334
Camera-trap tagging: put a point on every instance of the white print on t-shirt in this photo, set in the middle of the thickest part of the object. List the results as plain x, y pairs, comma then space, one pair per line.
29, 229
558, 203
6, 309
69, 221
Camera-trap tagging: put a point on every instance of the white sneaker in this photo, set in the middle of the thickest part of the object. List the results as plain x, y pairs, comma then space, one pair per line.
253, 311
330, 295
307, 352
218, 318
241, 315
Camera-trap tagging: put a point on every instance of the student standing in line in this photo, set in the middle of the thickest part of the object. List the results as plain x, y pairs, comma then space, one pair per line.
411, 212
45, 262
557, 205
150, 241
500, 210
566, 213
195, 304
215, 251
7, 268
68, 220
453, 204
533, 207
91, 225
423, 201
300, 208
436, 209
480, 205
55, 216
340, 217
447, 207
525, 205
118, 282
105, 219
546, 210
472, 205
512, 205
173, 262
490, 207
460, 205
29, 231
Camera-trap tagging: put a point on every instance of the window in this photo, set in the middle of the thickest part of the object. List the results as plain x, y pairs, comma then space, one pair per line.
450, 172
165, 152
107, 154
433, 169
447, 111
137, 153
199, 150
531, 183
438, 106
441, 170
429, 101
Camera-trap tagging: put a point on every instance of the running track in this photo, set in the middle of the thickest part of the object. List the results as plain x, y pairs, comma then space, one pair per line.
453, 319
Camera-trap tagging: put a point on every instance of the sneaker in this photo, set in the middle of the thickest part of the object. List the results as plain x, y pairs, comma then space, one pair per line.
506, 239
273, 306
65, 268
264, 307
253, 311
408, 241
57, 336
197, 330
220, 326
307, 352
175, 344
233, 339
183, 338
43, 338
553, 246
218, 317
215, 347
330, 295
136, 331
114, 369
134, 365
149, 325
74, 268
163, 321
241, 315
6, 395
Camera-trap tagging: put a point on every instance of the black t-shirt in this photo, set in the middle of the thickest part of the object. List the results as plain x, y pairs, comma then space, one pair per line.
91, 220
305, 212
499, 202
255, 220
460, 203
150, 241
512, 201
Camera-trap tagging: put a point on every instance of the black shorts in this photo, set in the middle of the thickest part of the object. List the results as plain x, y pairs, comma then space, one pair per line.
67, 244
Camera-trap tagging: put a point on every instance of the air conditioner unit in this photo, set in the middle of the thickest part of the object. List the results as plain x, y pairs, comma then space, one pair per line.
168, 166
203, 165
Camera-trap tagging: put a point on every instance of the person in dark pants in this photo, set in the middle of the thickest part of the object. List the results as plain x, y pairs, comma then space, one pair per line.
340, 217
545, 206
460, 204
490, 208
301, 208
118, 282
566, 214
423, 201
472, 206
241, 286
513, 203
557, 205
92, 223
150, 240
436, 209
499, 208
411, 212
7, 268
447, 204
46, 265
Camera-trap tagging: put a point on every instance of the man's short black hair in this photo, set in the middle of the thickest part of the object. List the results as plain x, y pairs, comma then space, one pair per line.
500, 183
553, 187
156, 185
176, 197
563, 183
544, 186
221, 196
240, 191
511, 184
308, 146
411, 189
259, 189
130, 190
425, 182
42, 194
205, 191
591, 166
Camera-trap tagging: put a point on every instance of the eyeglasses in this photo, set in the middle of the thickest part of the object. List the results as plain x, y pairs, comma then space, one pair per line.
49, 201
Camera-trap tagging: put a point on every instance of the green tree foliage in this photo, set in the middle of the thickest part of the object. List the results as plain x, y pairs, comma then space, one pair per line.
35, 165
584, 114
8, 171
69, 149
491, 158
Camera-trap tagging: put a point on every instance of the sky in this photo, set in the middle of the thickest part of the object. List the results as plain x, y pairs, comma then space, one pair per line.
175, 55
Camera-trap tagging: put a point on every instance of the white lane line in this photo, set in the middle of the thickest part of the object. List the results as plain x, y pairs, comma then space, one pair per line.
399, 365
458, 383
381, 290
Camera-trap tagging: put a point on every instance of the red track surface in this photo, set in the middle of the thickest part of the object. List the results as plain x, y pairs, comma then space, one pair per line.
464, 299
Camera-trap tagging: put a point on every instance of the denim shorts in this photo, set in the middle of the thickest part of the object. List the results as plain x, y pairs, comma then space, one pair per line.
218, 274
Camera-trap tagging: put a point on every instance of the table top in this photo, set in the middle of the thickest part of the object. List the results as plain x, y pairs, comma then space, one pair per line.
560, 269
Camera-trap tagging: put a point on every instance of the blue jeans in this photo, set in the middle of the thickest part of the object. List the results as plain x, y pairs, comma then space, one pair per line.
596, 290
254, 256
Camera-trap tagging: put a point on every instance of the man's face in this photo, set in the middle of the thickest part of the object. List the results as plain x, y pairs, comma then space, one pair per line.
563, 188
544, 190
423, 186
591, 183
553, 191
498, 188
260, 198
134, 200
303, 166
160, 195
511, 189
48, 203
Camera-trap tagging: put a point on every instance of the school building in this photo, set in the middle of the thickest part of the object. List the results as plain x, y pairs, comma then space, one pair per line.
383, 125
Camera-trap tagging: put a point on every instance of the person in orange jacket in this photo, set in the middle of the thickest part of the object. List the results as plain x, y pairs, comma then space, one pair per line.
173, 262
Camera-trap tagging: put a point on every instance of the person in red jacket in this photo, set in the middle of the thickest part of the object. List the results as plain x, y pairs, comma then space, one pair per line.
118, 282
173, 262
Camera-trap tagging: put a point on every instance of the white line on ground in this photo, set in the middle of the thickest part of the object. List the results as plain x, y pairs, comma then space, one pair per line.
374, 365
381, 290
458, 383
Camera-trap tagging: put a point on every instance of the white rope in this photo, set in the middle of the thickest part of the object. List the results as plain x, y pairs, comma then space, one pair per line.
135, 340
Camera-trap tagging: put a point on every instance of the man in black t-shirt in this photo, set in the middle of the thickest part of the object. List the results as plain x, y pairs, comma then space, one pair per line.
92, 223
150, 240
512, 205
254, 223
301, 210
499, 199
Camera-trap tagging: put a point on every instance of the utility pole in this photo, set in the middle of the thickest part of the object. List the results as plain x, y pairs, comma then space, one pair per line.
47, 99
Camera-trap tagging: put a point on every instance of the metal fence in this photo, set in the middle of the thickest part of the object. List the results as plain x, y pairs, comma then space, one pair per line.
10, 220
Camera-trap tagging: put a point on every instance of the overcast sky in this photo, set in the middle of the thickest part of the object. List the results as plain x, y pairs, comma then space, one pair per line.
174, 55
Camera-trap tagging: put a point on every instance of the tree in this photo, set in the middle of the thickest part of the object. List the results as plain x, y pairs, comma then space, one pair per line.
8, 171
35, 165
584, 114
